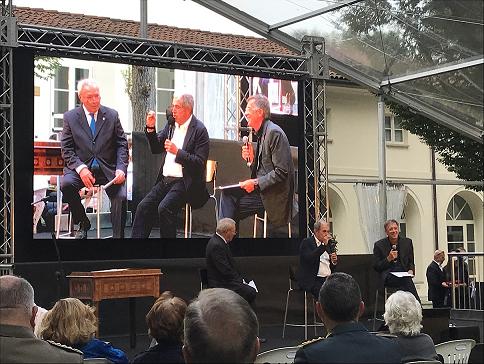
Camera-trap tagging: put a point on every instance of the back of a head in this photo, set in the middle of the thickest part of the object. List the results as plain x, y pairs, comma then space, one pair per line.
224, 225
69, 322
340, 297
165, 318
17, 299
403, 314
220, 327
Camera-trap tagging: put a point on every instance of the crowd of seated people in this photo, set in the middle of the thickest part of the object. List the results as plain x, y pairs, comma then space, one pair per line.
217, 326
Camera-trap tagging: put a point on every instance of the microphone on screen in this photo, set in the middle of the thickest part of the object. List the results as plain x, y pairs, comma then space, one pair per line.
245, 140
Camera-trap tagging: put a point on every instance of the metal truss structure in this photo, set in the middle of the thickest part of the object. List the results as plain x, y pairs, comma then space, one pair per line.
315, 132
7, 42
123, 49
107, 47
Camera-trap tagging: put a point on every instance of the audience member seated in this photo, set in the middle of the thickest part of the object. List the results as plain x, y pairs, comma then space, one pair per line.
165, 325
403, 316
220, 327
339, 307
71, 322
18, 343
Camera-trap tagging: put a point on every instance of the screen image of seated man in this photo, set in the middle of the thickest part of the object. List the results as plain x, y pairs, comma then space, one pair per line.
271, 186
184, 146
395, 254
95, 152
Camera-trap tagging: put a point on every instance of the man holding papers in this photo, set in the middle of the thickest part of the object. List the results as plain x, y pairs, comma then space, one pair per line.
393, 259
221, 270
95, 151
271, 186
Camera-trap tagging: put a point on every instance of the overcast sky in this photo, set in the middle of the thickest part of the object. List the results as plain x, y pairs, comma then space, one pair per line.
180, 13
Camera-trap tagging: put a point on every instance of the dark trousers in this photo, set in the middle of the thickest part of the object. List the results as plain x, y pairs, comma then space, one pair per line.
237, 204
401, 283
246, 292
318, 283
71, 184
164, 201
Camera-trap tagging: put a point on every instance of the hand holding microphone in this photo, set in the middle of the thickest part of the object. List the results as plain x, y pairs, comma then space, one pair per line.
247, 151
393, 255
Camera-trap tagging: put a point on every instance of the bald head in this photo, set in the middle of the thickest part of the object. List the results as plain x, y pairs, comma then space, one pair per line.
439, 256
17, 301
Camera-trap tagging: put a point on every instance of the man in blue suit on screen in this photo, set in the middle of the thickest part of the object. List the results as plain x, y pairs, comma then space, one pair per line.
95, 152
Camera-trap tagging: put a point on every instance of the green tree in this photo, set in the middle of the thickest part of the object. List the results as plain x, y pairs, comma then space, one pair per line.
422, 33
461, 155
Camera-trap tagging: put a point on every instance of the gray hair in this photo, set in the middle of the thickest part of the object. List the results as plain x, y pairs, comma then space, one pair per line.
389, 222
224, 225
317, 224
220, 326
186, 100
261, 102
87, 82
403, 314
16, 293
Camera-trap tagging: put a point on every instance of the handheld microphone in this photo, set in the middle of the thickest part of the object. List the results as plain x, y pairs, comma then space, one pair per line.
394, 248
45, 199
171, 122
245, 140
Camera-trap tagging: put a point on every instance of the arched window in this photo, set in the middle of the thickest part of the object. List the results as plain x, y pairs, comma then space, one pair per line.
460, 228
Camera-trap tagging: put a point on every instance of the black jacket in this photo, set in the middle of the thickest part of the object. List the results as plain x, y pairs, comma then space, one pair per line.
381, 250
309, 255
193, 158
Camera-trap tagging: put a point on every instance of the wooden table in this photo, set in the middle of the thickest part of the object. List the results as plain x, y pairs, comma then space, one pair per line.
116, 283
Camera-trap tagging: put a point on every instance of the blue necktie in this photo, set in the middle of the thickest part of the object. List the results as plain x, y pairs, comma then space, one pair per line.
95, 163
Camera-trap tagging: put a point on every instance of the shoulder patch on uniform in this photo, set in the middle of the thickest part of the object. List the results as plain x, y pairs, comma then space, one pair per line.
64, 347
309, 342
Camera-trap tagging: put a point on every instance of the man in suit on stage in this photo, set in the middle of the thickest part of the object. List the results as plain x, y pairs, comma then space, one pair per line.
185, 146
436, 279
340, 306
395, 254
316, 260
95, 152
271, 186
221, 269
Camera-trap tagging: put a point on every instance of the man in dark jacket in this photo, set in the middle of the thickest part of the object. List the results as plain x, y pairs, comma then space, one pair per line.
221, 269
95, 151
271, 186
395, 254
340, 306
316, 260
436, 279
185, 146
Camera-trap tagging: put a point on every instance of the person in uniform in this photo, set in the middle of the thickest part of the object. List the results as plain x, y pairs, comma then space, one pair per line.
348, 341
18, 344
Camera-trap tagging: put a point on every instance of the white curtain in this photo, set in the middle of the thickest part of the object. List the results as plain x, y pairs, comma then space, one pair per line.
371, 221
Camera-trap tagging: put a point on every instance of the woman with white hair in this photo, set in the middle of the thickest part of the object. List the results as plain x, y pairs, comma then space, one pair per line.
403, 316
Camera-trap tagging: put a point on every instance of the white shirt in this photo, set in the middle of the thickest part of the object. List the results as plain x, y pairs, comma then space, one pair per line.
440, 265
171, 168
221, 237
324, 262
